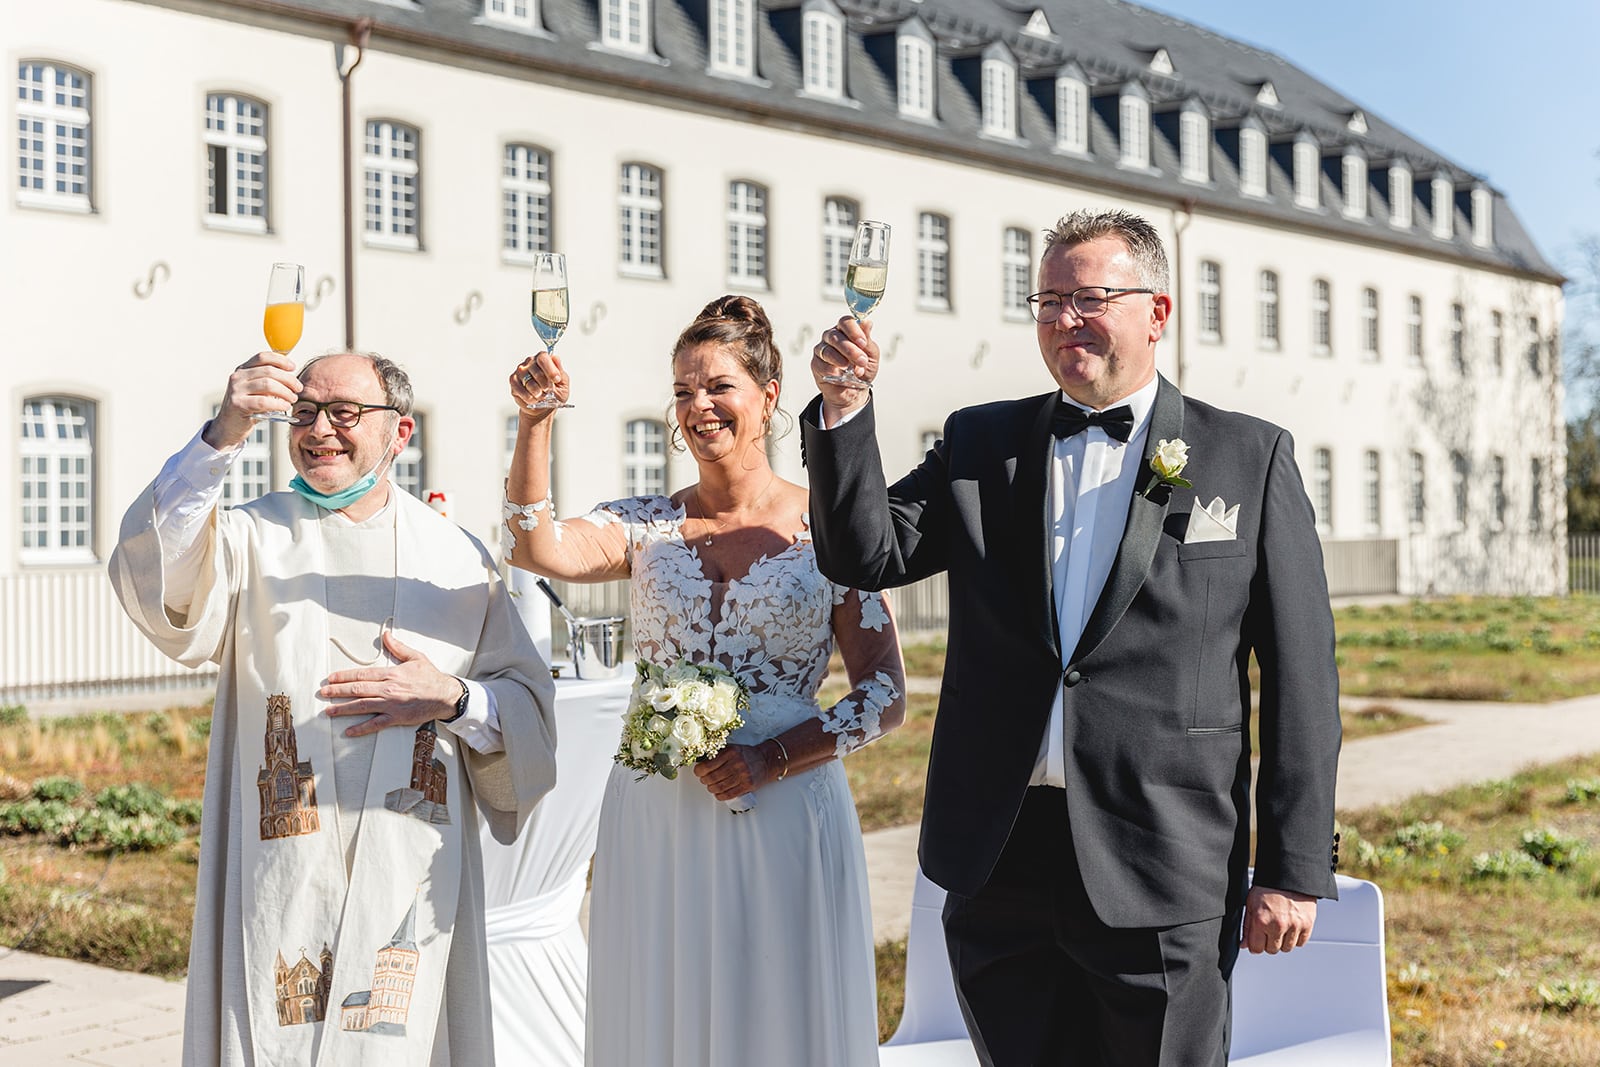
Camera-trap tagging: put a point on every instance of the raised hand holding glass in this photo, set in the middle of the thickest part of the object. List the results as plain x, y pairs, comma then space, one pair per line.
284, 318
865, 279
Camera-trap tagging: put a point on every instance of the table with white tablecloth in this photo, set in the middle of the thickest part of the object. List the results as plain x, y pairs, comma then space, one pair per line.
533, 888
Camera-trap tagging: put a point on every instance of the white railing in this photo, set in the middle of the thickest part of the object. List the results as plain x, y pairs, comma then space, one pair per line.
63, 633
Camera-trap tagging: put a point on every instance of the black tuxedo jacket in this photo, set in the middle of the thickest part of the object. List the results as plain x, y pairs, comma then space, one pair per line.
1157, 693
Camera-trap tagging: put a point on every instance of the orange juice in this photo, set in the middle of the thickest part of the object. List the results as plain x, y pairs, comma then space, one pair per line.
282, 324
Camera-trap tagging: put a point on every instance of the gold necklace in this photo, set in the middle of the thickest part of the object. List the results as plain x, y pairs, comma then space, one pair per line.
699, 506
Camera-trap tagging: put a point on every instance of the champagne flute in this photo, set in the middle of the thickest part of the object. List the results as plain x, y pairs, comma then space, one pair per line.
284, 318
549, 310
865, 279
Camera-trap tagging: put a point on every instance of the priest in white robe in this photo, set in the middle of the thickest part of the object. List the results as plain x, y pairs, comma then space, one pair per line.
378, 695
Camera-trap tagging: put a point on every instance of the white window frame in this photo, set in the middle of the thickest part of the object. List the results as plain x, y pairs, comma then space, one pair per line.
839, 217
999, 82
1499, 502
1531, 345
1194, 145
410, 468
1417, 498
1133, 130
522, 14
747, 234
391, 161
1444, 207
822, 54
933, 261
733, 37
625, 26
914, 70
242, 153
1497, 341
1016, 271
1371, 338
1400, 194
1458, 338
1460, 488
1321, 317
527, 211
1322, 489
1414, 332
1372, 488
1208, 287
1072, 113
644, 457
641, 201
56, 446
1252, 161
1269, 319
1482, 217
1535, 495
1353, 176
250, 476
1307, 174
52, 132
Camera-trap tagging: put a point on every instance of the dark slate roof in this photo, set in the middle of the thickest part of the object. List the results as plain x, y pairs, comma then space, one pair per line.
1111, 41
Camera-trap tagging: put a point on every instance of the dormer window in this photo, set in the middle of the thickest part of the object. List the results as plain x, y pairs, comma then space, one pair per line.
1194, 143
523, 14
1161, 63
1482, 217
1307, 172
1444, 208
824, 50
625, 25
1252, 159
1353, 176
733, 37
1400, 196
1072, 111
914, 63
1133, 115
999, 92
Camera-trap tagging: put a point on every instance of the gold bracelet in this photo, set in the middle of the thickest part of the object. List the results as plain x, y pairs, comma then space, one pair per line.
785, 752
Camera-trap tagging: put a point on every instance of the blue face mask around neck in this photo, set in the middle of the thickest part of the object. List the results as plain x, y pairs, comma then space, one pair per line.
344, 497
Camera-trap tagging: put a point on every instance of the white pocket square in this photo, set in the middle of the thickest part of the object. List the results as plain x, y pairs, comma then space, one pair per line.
1214, 522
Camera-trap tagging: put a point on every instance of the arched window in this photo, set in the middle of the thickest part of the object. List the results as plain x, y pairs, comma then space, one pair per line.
1252, 161
914, 69
839, 217
392, 164
999, 93
823, 55
1210, 292
525, 202
625, 25
1194, 144
1400, 196
57, 484
1369, 324
640, 204
644, 458
1322, 488
251, 474
1307, 173
410, 466
733, 37
747, 234
933, 261
236, 161
1353, 176
1321, 318
1016, 265
1133, 114
1267, 309
1072, 113
54, 150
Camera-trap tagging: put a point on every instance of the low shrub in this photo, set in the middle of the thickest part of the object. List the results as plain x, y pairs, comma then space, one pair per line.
1553, 850
59, 787
1582, 790
1427, 838
1567, 996
1506, 865
135, 798
35, 816
123, 832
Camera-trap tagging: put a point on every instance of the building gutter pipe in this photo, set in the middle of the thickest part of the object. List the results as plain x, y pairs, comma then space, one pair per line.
349, 59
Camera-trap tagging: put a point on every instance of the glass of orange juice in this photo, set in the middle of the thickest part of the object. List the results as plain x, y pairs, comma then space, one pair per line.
285, 316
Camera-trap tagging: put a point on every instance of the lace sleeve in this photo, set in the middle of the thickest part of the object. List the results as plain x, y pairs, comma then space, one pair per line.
866, 637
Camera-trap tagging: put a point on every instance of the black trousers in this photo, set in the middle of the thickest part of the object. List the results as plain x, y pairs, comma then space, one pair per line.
1042, 981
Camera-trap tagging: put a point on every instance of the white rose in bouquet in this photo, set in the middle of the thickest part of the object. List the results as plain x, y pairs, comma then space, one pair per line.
722, 704
687, 731
681, 672
692, 697
659, 725
664, 698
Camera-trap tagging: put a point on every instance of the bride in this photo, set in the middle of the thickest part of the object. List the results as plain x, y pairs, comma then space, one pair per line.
716, 939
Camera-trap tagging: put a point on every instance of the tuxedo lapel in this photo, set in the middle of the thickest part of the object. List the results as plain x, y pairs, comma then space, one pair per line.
1030, 500
1146, 514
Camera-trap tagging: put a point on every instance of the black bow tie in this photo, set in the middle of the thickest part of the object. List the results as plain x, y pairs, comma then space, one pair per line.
1070, 419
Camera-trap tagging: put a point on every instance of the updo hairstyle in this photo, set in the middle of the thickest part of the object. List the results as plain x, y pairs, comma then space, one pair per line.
738, 324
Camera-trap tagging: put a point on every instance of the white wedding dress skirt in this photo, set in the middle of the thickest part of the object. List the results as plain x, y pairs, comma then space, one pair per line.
716, 939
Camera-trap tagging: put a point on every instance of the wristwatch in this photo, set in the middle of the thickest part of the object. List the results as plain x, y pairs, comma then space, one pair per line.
461, 702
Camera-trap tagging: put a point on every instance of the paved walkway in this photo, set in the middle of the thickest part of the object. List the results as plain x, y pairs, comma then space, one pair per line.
56, 1012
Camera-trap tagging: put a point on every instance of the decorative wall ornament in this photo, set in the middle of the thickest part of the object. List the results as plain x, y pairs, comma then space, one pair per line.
977, 357
159, 272
473, 303
322, 288
894, 346
597, 312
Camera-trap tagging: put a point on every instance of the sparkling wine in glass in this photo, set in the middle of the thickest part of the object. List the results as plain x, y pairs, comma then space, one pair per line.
284, 318
550, 309
865, 279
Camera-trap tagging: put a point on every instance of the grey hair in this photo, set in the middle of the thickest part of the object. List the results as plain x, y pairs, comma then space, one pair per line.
1134, 231
395, 381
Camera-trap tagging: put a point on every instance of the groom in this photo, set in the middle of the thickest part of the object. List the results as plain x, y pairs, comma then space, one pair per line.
1088, 797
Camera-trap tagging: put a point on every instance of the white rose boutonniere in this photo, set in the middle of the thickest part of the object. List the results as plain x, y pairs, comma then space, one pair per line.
1168, 463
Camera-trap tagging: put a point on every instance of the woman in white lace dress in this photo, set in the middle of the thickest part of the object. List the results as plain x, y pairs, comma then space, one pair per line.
716, 939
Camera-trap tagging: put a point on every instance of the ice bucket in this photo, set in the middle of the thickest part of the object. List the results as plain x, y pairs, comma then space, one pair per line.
599, 646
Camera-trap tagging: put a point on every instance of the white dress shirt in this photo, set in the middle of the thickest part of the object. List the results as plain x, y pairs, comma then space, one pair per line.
188, 488
1092, 481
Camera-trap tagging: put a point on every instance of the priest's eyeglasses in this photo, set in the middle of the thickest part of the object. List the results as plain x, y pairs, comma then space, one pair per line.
1088, 302
342, 413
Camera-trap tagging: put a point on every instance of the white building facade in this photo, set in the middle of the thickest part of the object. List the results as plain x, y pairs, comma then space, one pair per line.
1331, 274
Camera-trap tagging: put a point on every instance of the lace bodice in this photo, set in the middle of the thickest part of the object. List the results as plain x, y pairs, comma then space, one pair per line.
773, 627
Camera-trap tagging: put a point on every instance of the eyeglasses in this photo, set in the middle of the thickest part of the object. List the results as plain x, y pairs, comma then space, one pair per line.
341, 413
1088, 302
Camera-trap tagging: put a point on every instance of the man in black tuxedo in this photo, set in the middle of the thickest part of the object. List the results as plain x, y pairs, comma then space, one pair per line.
1088, 797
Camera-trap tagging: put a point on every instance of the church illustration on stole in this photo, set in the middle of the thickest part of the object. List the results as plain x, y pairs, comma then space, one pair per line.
287, 784
383, 1008
425, 798
303, 989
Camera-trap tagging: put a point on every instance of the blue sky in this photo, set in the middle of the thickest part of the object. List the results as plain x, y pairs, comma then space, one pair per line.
1506, 90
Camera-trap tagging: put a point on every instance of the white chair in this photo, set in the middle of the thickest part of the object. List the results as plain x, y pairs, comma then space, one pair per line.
1322, 1005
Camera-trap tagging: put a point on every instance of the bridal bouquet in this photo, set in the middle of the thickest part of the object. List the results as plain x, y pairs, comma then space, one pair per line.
678, 715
